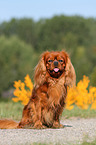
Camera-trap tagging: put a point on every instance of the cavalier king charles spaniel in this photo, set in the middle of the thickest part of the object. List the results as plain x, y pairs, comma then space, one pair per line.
54, 73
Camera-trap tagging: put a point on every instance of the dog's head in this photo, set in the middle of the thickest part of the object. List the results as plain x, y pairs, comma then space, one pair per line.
55, 63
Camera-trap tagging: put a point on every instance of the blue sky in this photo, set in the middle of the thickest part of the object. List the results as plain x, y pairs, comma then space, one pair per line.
37, 9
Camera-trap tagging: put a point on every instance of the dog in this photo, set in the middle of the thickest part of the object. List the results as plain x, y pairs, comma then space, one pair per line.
54, 73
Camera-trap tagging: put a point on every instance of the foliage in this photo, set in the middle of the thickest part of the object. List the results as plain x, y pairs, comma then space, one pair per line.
78, 95
75, 34
23, 28
53, 30
16, 60
23, 94
93, 77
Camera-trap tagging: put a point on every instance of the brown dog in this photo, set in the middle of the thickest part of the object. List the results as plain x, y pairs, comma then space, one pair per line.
53, 74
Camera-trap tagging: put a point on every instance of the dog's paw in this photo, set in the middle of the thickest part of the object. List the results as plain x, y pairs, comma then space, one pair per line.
38, 125
57, 125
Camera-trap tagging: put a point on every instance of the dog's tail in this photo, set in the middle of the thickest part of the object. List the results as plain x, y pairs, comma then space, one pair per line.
8, 124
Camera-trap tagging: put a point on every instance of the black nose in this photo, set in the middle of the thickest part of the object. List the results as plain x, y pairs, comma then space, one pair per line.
55, 63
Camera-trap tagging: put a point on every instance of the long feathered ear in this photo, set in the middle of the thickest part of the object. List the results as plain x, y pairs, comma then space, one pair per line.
40, 71
70, 75
65, 55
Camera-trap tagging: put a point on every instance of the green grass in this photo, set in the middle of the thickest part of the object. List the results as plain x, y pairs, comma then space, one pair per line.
12, 110
76, 112
91, 143
84, 143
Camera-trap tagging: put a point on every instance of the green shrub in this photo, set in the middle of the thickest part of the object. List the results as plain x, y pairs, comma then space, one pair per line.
16, 60
93, 77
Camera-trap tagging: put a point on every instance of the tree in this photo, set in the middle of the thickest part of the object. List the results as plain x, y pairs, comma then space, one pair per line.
16, 60
23, 28
93, 77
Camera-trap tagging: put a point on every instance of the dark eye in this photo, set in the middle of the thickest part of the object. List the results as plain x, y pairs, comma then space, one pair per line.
50, 60
60, 60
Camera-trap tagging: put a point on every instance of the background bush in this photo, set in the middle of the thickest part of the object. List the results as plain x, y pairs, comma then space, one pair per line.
16, 60
23, 40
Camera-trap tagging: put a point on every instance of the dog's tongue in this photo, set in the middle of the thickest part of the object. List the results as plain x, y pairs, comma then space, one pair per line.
56, 69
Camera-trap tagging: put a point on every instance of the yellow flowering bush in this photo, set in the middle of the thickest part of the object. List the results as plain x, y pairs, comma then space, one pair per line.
22, 90
79, 95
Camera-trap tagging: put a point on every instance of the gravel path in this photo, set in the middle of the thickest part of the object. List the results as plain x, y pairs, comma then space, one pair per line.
74, 132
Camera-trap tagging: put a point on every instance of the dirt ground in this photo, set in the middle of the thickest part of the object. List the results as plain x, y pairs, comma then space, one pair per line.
75, 131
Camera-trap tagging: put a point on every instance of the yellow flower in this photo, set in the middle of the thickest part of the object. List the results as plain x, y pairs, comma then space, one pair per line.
81, 96
93, 105
92, 94
20, 92
70, 98
15, 99
28, 82
17, 84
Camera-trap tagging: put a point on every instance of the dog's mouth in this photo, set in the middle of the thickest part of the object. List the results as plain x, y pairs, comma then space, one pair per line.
55, 73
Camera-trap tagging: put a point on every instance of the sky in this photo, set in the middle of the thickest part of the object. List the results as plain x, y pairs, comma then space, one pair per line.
38, 9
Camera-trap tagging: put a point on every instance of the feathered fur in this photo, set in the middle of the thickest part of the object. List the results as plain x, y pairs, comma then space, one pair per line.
9, 124
53, 74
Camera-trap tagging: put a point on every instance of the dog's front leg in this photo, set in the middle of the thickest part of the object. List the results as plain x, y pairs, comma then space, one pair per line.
38, 124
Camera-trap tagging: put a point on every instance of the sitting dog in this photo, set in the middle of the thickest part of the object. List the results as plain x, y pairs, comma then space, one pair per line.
53, 74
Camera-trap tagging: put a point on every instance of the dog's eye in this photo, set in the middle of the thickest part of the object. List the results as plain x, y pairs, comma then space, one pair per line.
50, 60
60, 60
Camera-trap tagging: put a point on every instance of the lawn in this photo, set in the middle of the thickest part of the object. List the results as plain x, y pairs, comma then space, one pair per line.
12, 110
84, 143
76, 112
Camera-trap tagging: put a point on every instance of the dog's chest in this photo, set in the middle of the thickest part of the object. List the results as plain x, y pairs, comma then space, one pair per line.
56, 83
56, 90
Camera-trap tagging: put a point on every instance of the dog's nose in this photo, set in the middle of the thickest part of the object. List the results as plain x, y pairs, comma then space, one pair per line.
55, 63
